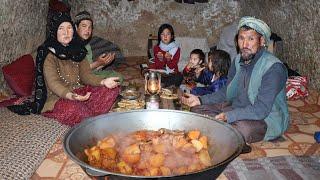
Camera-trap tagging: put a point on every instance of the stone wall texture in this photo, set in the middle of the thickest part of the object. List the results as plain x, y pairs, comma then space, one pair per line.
298, 23
22, 29
128, 24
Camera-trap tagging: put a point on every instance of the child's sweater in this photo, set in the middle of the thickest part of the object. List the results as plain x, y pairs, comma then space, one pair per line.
205, 78
162, 63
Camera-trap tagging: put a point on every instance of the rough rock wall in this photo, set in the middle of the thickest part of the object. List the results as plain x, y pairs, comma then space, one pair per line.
22, 28
128, 23
298, 23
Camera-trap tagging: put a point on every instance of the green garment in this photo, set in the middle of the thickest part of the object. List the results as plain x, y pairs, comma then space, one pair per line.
102, 73
278, 119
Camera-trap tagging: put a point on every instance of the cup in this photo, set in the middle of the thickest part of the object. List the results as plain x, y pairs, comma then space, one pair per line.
181, 92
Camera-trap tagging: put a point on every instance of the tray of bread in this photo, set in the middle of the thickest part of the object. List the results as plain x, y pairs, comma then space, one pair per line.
126, 105
130, 94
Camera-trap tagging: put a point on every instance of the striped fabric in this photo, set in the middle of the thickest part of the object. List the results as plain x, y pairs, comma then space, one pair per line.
278, 168
100, 46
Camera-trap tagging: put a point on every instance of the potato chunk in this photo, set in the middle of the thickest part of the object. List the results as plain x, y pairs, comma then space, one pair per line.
205, 158
109, 153
131, 154
165, 171
179, 142
154, 171
197, 144
107, 142
159, 148
157, 160
204, 141
93, 153
194, 134
124, 168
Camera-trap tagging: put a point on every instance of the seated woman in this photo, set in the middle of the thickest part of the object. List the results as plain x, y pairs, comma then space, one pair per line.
167, 55
215, 77
66, 89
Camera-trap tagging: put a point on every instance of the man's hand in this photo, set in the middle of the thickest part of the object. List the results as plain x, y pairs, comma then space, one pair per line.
105, 59
111, 82
102, 60
221, 117
190, 100
77, 97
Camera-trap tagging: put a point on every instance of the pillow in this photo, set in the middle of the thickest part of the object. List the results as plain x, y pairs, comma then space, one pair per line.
20, 75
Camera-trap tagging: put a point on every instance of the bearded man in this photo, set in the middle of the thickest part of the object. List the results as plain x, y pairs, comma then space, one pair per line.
254, 100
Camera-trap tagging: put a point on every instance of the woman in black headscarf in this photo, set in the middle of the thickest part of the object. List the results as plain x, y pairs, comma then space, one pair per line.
61, 76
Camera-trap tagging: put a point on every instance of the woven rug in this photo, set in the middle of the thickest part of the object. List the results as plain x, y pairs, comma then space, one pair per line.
277, 168
24, 143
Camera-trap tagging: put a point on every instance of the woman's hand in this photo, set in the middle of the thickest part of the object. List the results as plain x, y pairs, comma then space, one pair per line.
190, 100
111, 82
77, 97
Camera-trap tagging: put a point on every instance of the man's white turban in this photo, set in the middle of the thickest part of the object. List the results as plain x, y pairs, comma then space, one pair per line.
256, 24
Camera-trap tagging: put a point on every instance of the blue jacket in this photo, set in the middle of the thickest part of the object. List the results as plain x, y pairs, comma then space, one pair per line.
211, 87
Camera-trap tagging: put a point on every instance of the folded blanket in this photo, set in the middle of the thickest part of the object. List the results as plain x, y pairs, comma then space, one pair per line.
100, 46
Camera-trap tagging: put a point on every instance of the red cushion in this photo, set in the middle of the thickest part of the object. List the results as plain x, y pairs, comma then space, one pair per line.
20, 75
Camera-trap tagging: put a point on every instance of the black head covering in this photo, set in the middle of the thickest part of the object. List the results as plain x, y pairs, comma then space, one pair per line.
73, 51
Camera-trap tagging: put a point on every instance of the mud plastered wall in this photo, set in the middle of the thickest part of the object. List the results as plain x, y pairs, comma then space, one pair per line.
298, 23
22, 29
128, 23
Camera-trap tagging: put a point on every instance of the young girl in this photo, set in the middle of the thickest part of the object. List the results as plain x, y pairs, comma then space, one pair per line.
196, 61
167, 55
215, 77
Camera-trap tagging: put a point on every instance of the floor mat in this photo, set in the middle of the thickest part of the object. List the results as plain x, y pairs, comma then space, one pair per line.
24, 143
297, 141
277, 168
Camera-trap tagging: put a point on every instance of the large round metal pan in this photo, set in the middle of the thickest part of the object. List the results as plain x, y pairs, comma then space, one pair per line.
225, 142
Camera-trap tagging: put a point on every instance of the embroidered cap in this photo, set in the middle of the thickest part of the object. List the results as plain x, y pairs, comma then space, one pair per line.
83, 15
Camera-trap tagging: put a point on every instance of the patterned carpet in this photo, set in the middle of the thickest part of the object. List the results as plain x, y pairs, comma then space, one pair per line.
281, 167
25, 142
297, 141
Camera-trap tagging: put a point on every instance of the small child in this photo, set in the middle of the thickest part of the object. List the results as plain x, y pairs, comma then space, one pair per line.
196, 62
167, 55
215, 77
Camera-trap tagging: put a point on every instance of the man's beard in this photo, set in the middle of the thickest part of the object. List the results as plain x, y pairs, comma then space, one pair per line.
248, 56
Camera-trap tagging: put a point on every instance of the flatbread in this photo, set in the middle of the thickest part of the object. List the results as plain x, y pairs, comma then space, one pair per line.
172, 96
126, 105
168, 94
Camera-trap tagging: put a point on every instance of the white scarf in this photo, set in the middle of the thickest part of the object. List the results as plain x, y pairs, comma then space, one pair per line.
171, 48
